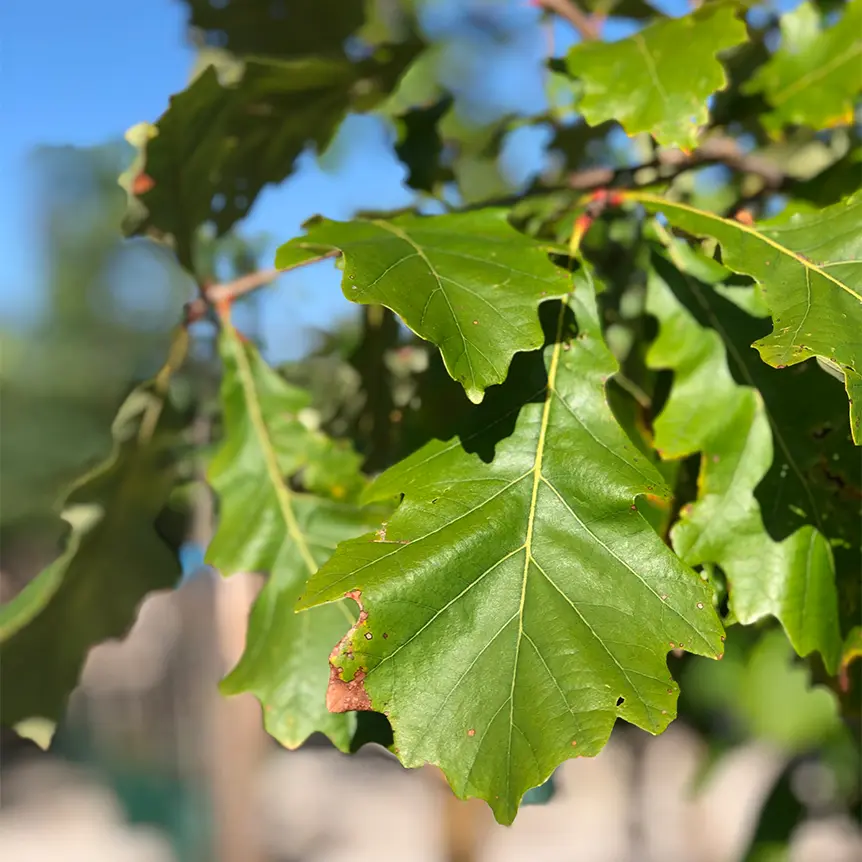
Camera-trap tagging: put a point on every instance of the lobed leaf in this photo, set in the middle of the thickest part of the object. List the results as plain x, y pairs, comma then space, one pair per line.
815, 76
658, 80
469, 283
810, 269
517, 603
266, 526
218, 143
114, 557
708, 412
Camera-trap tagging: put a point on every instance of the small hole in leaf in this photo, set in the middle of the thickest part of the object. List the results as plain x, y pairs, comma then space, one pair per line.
620, 700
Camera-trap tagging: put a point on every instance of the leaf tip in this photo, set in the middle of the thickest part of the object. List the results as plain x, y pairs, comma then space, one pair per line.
476, 396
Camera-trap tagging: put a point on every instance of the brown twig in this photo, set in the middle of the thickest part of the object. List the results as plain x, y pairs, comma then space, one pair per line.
718, 150
589, 26
220, 294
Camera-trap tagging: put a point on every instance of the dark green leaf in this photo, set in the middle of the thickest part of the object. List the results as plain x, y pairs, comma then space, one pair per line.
218, 144
814, 77
469, 283
659, 79
518, 603
277, 28
266, 526
114, 557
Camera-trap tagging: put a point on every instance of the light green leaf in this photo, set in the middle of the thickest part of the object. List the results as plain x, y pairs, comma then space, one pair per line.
810, 269
767, 694
266, 526
814, 77
658, 80
814, 477
708, 412
113, 558
470, 283
518, 603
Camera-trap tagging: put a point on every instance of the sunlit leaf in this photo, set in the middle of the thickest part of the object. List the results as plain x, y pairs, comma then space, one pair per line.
470, 283
810, 268
517, 603
658, 80
708, 412
814, 77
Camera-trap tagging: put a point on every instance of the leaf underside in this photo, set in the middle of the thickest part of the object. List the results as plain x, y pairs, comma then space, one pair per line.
518, 603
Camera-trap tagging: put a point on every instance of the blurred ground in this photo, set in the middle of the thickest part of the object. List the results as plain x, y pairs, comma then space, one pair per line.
150, 708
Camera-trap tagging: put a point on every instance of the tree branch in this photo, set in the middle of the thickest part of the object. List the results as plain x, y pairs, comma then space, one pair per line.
589, 26
718, 150
216, 294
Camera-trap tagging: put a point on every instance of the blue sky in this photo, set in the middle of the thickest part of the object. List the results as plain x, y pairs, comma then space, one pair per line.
82, 73
85, 72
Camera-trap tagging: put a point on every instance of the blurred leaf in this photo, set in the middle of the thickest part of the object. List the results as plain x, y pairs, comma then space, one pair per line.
707, 411
525, 591
113, 558
469, 283
659, 79
814, 77
278, 28
841, 179
217, 146
810, 269
264, 525
420, 146
767, 694
65, 375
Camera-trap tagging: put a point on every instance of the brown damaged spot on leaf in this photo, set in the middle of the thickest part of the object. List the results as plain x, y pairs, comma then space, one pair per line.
344, 696
341, 695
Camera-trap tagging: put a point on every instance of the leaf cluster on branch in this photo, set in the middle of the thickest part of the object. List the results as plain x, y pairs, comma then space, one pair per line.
499, 543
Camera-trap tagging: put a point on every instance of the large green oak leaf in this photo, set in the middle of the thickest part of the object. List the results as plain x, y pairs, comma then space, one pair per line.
518, 602
658, 80
810, 269
266, 526
815, 76
469, 283
709, 412
114, 557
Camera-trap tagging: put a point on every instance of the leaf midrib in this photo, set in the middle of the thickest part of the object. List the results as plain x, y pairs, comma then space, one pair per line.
816, 75
644, 197
255, 413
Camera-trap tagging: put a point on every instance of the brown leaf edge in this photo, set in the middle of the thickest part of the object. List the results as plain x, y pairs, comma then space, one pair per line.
342, 696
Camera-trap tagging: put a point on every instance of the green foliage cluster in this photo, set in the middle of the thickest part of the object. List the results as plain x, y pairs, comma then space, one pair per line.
610, 414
